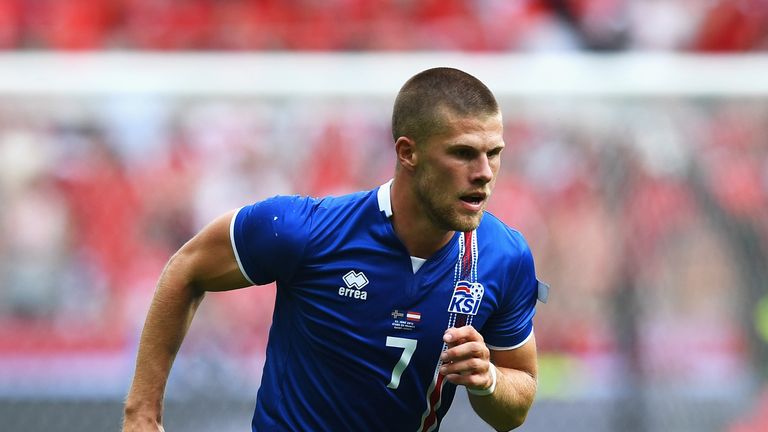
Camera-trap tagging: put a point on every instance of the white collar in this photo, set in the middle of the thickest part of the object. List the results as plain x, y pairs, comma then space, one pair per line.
385, 205
385, 198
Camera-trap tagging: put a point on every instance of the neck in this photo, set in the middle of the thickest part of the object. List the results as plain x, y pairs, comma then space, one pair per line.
417, 232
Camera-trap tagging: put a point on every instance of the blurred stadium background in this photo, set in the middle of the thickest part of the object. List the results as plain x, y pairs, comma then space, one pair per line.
636, 166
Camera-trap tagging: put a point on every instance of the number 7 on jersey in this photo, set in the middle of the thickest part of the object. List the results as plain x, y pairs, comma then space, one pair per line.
408, 346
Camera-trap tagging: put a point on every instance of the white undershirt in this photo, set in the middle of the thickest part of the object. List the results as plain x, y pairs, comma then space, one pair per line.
416, 263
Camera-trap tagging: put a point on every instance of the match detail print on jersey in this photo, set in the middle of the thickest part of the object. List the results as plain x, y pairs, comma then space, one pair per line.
463, 306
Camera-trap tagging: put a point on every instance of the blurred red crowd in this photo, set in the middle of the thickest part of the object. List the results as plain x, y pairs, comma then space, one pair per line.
614, 208
489, 25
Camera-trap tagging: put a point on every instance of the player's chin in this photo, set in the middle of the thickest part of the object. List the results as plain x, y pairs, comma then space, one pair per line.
466, 223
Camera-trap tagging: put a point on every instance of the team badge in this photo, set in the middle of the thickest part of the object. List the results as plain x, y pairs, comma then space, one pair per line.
466, 298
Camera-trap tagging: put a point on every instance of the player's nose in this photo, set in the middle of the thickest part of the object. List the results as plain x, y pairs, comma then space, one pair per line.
482, 170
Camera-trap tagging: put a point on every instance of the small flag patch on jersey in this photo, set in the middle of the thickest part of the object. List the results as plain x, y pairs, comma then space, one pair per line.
402, 320
413, 316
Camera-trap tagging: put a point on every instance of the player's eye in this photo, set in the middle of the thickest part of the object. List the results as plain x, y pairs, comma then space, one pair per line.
495, 152
464, 153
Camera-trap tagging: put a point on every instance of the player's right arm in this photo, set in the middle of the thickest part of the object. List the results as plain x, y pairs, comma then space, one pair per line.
205, 263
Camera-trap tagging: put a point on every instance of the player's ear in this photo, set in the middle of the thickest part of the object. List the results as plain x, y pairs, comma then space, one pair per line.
406, 152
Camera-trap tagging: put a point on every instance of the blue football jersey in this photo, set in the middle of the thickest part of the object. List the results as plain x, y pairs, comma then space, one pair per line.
356, 335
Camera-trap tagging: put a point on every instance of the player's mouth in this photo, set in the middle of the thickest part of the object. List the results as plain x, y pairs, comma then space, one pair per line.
474, 201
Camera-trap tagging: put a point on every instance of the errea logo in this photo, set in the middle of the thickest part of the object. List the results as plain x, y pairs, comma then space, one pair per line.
354, 279
354, 282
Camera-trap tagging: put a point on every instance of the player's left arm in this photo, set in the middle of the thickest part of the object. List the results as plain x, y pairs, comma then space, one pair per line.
467, 362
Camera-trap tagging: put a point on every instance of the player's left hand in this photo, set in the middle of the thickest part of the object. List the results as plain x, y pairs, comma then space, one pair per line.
467, 360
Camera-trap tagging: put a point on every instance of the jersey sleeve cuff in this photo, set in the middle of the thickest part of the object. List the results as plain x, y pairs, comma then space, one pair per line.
234, 245
507, 348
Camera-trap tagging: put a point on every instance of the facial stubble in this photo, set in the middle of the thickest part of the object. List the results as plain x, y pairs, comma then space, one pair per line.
438, 206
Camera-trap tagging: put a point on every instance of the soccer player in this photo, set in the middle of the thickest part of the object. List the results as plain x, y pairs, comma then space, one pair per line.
387, 299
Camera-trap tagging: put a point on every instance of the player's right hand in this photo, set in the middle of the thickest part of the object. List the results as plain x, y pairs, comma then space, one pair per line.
467, 360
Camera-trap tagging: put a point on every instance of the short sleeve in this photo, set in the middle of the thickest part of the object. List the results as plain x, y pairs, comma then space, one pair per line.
269, 237
512, 324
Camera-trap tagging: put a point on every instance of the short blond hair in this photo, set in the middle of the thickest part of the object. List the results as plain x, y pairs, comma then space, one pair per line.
417, 113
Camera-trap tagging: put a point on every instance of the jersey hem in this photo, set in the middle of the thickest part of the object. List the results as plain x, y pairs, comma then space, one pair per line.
234, 245
496, 348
